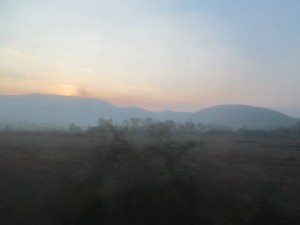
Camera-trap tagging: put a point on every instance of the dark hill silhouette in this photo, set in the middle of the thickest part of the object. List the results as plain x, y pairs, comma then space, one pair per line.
40, 108
63, 110
243, 116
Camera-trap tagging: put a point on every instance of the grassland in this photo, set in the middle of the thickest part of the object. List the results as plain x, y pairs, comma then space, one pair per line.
63, 178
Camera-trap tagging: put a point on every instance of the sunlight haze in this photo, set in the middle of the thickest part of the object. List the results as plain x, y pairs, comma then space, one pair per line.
157, 54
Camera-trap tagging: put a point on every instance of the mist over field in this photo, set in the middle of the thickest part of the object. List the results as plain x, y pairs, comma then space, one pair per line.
149, 112
148, 172
164, 168
60, 111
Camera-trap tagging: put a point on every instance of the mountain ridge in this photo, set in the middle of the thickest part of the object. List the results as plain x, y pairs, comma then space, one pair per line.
236, 116
59, 109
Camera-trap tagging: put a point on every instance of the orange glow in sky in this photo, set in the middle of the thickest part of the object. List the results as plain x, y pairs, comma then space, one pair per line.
158, 54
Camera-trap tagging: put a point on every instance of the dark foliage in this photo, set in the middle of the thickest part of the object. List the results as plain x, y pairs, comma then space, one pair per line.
111, 176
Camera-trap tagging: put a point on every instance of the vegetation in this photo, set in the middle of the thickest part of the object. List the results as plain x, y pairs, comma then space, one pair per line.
145, 172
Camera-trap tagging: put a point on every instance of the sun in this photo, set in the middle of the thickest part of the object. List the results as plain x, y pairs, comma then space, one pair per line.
64, 89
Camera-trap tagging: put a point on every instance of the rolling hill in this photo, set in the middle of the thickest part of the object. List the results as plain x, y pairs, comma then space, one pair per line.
63, 110
39, 108
243, 116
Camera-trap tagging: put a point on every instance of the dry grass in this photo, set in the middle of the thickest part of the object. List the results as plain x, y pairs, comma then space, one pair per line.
75, 179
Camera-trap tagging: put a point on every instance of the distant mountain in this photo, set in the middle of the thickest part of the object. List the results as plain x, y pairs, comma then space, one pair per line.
172, 115
243, 116
63, 110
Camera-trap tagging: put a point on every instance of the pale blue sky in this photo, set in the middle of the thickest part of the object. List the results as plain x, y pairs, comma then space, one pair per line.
157, 54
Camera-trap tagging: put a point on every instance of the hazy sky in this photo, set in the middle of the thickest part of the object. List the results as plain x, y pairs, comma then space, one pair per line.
156, 54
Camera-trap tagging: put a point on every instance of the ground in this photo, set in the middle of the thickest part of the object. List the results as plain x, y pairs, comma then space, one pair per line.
63, 178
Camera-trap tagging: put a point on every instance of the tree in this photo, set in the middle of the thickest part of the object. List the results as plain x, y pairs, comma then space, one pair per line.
159, 130
104, 125
73, 128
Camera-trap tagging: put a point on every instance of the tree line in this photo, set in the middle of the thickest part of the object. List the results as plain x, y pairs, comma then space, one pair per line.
168, 128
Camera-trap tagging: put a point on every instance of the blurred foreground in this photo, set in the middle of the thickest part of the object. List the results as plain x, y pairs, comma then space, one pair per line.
112, 178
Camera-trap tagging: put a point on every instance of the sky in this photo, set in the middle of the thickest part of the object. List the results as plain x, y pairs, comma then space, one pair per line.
157, 54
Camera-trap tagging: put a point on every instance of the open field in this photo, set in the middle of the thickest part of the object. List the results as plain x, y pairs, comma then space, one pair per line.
92, 179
